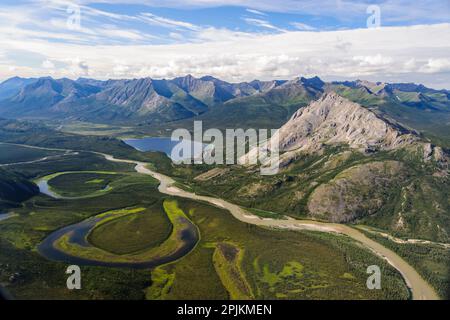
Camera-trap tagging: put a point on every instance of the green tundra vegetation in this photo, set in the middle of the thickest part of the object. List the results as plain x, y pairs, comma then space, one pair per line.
234, 260
395, 191
331, 266
432, 261
138, 231
415, 198
39, 135
82, 183
147, 251
15, 153
227, 260
26, 274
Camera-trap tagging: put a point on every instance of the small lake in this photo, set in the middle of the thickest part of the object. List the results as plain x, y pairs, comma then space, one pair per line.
4, 216
166, 145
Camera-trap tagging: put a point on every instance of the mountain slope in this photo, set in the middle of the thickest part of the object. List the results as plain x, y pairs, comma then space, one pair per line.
147, 100
342, 162
12, 86
171, 103
100, 101
209, 90
45, 97
14, 189
271, 105
333, 120
416, 106
142, 97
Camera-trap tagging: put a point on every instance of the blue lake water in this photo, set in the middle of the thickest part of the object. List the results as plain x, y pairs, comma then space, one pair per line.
166, 145
4, 216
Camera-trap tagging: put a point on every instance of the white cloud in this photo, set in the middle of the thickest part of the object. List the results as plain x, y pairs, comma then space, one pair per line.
47, 64
342, 45
256, 12
176, 35
75, 67
26, 23
121, 70
222, 35
410, 65
400, 53
166, 22
105, 32
373, 60
262, 23
302, 26
120, 33
436, 65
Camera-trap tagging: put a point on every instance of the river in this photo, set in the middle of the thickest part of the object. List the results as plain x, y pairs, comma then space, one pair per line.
420, 289
78, 234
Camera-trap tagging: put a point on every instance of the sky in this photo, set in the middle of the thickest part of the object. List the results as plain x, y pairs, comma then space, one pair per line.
235, 40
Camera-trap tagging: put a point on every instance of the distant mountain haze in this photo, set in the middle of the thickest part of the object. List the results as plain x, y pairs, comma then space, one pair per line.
12, 86
179, 101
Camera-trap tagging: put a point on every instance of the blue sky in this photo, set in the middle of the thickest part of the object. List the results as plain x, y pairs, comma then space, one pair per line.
276, 16
173, 21
42, 37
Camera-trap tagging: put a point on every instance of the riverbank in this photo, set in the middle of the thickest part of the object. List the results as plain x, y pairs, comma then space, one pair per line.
420, 289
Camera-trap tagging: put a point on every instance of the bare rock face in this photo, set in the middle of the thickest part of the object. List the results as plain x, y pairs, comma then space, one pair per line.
434, 153
333, 120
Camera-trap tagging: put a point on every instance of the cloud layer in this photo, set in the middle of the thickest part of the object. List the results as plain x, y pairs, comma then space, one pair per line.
405, 53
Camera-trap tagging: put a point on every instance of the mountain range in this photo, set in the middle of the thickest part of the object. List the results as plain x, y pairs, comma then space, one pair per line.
177, 102
371, 154
136, 100
335, 120
343, 162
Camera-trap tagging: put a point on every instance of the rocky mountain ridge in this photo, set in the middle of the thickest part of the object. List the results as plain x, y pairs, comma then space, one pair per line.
217, 102
332, 120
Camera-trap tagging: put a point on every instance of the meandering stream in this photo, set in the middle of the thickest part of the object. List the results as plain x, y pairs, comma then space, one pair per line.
78, 234
420, 289
44, 188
